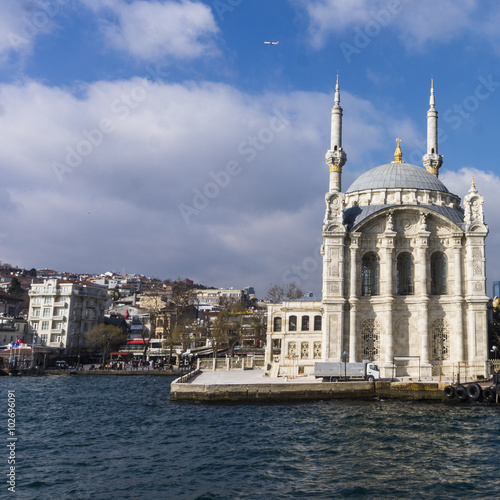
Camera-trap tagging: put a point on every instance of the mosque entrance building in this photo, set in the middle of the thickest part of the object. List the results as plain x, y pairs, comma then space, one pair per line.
404, 272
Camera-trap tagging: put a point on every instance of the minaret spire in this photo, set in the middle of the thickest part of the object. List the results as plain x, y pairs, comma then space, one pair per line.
432, 160
337, 92
335, 156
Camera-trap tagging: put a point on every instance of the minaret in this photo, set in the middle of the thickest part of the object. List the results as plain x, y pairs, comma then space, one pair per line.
335, 156
432, 160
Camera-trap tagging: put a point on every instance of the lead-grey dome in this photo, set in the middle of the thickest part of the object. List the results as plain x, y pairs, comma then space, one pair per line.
397, 175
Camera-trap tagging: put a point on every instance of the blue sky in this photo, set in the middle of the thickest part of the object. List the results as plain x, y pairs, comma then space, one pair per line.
165, 138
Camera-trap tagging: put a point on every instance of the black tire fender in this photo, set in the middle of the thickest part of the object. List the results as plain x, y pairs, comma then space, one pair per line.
474, 391
449, 391
461, 393
488, 395
498, 389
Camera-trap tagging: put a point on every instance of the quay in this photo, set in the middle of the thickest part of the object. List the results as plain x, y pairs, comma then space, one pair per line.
254, 386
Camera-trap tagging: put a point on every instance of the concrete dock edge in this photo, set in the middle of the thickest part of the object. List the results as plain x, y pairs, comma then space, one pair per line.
307, 391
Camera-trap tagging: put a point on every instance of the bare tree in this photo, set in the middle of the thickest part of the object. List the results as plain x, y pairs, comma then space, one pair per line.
279, 293
105, 338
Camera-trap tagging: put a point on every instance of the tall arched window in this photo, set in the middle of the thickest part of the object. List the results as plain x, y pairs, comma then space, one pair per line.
405, 274
292, 323
317, 323
277, 325
439, 274
305, 323
370, 336
440, 339
370, 274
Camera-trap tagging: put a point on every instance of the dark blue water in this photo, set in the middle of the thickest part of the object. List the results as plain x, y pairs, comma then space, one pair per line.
106, 437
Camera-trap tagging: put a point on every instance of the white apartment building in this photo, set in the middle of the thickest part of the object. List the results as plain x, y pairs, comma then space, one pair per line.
62, 311
219, 296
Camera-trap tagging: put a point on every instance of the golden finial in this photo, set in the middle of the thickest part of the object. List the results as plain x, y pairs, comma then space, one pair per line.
398, 154
473, 183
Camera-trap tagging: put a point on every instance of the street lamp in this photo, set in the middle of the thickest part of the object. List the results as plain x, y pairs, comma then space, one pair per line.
494, 349
344, 356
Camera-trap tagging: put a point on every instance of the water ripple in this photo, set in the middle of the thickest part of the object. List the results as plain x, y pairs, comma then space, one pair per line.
108, 437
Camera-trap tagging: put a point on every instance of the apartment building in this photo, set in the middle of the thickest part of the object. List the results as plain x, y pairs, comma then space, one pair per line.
61, 311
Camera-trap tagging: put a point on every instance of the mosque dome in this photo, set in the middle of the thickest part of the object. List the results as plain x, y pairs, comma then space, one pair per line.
399, 176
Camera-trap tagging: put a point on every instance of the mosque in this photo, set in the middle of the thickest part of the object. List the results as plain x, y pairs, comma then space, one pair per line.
404, 273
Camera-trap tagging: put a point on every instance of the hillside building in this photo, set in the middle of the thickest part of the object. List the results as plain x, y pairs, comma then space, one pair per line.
60, 312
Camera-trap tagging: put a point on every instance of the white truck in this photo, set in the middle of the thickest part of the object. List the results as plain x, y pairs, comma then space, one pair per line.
333, 372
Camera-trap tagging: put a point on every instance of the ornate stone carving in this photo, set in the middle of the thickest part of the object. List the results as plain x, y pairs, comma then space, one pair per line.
440, 340
335, 202
422, 222
304, 350
407, 223
473, 205
317, 350
370, 337
334, 270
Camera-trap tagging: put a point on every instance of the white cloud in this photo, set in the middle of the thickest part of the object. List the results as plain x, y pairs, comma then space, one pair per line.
416, 22
22, 21
131, 153
154, 30
251, 168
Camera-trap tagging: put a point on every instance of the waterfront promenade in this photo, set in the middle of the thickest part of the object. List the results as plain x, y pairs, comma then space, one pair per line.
254, 385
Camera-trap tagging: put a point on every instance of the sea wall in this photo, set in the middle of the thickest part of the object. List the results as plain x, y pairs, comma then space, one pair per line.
305, 391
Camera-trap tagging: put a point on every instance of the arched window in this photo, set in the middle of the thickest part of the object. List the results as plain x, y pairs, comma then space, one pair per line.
370, 336
440, 340
370, 274
317, 323
439, 274
292, 323
277, 325
405, 274
305, 323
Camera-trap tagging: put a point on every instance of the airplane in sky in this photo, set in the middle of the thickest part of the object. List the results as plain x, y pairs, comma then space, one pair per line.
271, 43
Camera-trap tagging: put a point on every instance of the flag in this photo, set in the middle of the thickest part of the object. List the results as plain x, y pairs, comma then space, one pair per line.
19, 341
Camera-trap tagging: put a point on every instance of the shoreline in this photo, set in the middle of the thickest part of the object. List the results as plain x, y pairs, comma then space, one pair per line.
253, 386
113, 372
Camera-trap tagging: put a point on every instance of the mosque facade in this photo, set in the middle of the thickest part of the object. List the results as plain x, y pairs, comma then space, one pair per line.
404, 273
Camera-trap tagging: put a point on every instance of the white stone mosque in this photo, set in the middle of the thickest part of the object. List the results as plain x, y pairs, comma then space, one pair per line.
404, 277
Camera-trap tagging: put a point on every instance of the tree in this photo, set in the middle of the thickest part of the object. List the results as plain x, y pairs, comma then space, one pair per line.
258, 324
182, 296
105, 338
115, 293
218, 331
279, 293
15, 287
174, 336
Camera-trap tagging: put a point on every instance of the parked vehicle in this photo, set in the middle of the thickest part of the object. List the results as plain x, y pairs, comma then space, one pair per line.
333, 372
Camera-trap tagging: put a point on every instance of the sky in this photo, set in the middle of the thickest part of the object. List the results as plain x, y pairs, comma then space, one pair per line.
166, 138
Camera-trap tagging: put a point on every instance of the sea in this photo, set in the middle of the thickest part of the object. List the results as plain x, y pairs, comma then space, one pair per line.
120, 437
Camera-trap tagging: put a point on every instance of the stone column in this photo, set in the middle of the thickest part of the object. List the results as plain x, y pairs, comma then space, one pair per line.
353, 299
424, 328
388, 292
422, 290
458, 339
